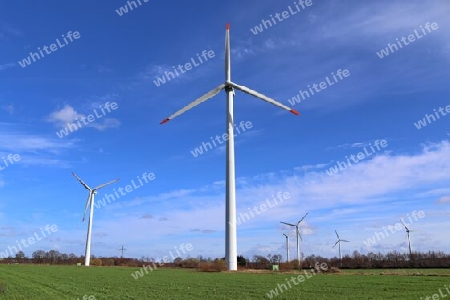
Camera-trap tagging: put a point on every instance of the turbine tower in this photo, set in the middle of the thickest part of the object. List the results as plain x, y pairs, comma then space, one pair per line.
230, 194
122, 249
339, 240
409, 240
90, 202
297, 230
287, 247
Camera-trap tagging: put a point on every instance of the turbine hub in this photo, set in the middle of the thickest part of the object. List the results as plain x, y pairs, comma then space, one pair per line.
228, 88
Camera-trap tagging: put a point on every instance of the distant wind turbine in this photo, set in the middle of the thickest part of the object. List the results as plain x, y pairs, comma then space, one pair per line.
297, 230
287, 247
90, 201
230, 197
339, 240
407, 235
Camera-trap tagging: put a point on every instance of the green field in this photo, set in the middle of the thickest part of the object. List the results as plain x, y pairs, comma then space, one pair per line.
70, 282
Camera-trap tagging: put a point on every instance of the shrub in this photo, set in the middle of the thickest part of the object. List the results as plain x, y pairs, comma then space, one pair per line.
216, 266
96, 262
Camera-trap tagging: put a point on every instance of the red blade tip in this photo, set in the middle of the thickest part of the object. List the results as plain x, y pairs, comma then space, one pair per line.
228, 25
295, 112
165, 121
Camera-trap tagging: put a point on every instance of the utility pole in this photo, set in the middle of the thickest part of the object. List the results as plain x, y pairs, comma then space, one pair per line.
122, 249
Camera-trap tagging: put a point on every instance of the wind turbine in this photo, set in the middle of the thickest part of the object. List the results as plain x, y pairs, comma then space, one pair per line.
297, 230
230, 198
90, 201
339, 242
407, 235
287, 247
122, 249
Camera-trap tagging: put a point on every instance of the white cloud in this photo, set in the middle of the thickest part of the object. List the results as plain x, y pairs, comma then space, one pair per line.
105, 124
19, 142
103, 69
444, 200
354, 145
371, 185
8, 108
33, 149
147, 216
7, 31
68, 115
152, 72
377, 21
368, 182
307, 168
382, 175
7, 66
241, 52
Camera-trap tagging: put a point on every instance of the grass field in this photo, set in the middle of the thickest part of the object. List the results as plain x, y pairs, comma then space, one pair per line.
70, 282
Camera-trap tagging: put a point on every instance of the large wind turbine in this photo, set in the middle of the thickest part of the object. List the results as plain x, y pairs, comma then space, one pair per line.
407, 235
287, 247
297, 230
229, 86
90, 201
339, 240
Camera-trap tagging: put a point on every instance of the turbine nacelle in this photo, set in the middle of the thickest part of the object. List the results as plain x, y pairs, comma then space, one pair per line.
404, 225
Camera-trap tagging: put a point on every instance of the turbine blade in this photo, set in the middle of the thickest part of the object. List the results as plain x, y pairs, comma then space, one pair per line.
403, 223
87, 205
300, 236
337, 234
288, 224
302, 218
227, 54
345, 241
336, 244
262, 97
105, 184
81, 181
203, 98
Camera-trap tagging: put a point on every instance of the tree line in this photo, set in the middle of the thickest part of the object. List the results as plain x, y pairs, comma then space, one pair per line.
394, 259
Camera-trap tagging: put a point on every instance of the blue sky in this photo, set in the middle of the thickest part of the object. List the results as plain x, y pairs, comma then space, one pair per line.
117, 58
